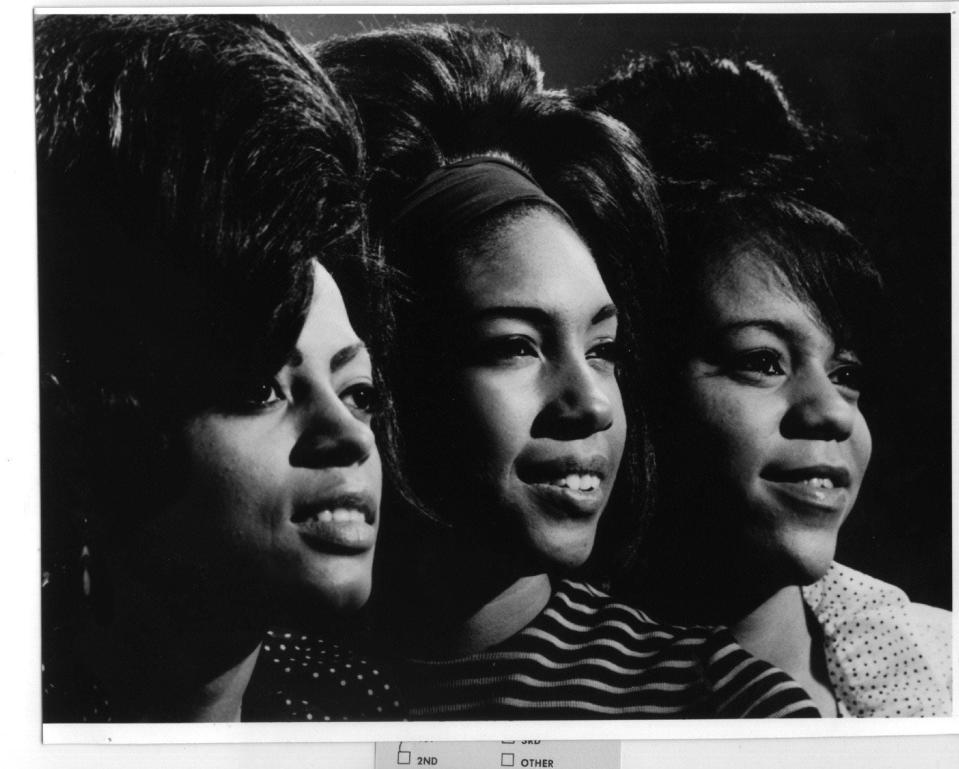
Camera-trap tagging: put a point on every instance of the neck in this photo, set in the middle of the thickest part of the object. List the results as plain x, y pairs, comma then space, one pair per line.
780, 631
701, 571
776, 630
504, 615
163, 664
216, 699
446, 592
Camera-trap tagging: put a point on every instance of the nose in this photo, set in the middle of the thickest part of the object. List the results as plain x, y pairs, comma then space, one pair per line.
331, 436
818, 410
578, 403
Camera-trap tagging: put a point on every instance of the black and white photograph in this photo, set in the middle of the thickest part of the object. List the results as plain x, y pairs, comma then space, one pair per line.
580, 368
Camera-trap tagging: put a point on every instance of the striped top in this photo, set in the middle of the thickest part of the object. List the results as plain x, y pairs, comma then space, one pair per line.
587, 656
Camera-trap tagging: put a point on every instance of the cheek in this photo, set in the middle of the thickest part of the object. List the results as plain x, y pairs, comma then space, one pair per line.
236, 474
861, 445
497, 415
729, 429
374, 472
711, 412
617, 433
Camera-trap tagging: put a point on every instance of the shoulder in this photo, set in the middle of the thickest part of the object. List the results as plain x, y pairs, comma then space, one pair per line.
716, 675
588, 655
581, 622
844, 592
586, 607
729, 681
885, 654
842, 587
933, 626
937, 621
302, 677
640, 667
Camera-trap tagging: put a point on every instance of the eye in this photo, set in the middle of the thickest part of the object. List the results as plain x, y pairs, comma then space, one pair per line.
505, 349
759, 364
256, 394
362, 399
850, 376
606, 355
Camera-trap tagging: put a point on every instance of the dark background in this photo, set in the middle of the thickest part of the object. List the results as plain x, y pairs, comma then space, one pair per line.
883, 78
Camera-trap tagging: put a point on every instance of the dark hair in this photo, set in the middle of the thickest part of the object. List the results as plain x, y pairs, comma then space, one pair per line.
429, 95
190, 169
740, 173
738, 167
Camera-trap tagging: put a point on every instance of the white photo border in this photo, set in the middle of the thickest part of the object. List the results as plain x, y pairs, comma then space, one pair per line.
20, 451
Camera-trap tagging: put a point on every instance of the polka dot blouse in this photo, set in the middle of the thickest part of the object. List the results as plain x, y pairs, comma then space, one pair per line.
307, 678
296, 678
885, 655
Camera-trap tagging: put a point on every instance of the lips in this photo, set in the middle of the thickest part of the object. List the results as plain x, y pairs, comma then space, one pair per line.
816, 488
836, 475
571, 485
343, 523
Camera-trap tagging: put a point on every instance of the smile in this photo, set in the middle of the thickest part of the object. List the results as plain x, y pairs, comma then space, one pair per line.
817, 489
567, 486
341, 525
340, 515
818, 476
578, 482
819, 483
806, 499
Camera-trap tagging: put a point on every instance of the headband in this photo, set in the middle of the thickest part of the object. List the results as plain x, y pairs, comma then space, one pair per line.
462, 193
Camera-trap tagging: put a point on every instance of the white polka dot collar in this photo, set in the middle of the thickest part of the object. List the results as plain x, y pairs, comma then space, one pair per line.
885, 655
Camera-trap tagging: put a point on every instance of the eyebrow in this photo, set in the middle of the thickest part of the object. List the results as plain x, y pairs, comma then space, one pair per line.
536, 316
339, 360
773, 326
783, 331
607, 312
344, 356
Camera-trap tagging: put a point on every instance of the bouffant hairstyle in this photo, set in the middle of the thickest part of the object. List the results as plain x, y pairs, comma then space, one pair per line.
190, 170
740, 172
739, 169
431, 95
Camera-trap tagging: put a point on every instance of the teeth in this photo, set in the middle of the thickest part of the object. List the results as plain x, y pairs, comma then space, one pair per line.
819, 483
576, 482
340, 515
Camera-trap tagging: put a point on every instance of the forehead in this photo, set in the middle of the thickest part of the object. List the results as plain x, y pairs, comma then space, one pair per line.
327, 324
747, 287
326, 304
534, 259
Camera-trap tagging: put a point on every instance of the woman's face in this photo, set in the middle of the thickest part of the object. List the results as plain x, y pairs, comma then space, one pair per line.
776, 423
284, 488
539, 420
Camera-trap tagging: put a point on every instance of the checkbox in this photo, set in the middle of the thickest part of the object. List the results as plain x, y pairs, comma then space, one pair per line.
403, 757
507, 759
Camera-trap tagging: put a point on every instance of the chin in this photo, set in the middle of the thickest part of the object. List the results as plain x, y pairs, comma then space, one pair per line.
349, 599
336, 598
340, 585
563, 554
809, 555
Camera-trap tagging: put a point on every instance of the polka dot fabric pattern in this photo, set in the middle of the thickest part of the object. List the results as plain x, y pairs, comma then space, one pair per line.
306, 678
296, 678
886, 657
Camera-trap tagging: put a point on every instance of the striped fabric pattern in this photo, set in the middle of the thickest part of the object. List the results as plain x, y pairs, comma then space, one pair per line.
587, 656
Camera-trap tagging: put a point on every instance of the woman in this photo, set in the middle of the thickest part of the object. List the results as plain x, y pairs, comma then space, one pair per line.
772, 311
208, 460
512, 218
